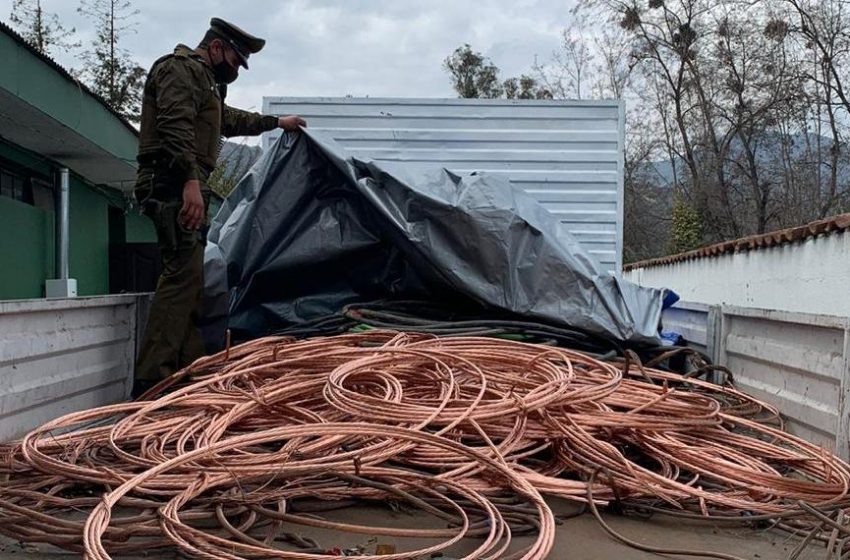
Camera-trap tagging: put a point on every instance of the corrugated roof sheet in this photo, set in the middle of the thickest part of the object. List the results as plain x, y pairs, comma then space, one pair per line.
64, 73
834, 224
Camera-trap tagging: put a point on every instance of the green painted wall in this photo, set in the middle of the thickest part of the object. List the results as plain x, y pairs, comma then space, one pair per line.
89, 231
139, 228
31, 257
30, 260
27, 260
26, 255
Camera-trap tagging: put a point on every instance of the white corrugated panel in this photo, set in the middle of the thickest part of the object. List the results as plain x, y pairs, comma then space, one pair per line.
566, 154
798, 362
60, 356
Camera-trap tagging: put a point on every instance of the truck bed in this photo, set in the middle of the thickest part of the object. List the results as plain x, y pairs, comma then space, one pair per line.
578, 538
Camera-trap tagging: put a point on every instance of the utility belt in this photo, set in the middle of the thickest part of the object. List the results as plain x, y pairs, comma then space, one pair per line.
161, 159
162, 170
150, 159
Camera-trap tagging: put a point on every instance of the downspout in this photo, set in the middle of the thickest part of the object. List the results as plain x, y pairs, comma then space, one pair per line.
62, 229
62, 286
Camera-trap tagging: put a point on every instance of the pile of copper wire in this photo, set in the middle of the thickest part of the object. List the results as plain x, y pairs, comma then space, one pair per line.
247, 445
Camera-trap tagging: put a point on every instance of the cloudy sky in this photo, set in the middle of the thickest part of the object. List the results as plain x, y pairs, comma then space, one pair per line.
379, 48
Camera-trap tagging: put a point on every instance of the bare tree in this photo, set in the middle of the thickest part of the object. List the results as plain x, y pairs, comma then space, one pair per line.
647, 220
566, 75
820, 30
109, 69
733, 103
823, 24
612, 64
737, 111
40, 28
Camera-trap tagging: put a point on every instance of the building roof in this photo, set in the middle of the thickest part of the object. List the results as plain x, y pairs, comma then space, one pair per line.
45, 110
67, 75
835, 224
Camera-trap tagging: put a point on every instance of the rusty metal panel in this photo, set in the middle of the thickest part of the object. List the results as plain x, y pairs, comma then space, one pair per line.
60, 356
797, 362
566, 154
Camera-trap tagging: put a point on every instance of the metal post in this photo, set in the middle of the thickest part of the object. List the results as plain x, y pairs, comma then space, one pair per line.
63, 286
842, 434
62, 229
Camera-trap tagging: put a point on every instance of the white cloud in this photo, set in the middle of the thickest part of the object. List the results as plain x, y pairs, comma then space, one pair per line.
380, 48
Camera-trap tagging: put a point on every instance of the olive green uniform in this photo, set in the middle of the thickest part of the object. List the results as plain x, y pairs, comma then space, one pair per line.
183, 120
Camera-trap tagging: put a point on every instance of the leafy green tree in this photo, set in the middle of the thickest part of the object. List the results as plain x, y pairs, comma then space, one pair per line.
686, 234
473, 75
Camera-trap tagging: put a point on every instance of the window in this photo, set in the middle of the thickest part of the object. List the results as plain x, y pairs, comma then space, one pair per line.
24, 186
7, 184
42, 195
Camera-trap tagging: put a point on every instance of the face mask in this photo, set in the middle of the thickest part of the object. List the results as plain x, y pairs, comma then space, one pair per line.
225, 73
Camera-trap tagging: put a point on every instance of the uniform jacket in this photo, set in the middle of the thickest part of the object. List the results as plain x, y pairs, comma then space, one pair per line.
184, 117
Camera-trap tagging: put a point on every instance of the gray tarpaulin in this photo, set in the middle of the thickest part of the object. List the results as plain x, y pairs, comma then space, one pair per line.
311, 229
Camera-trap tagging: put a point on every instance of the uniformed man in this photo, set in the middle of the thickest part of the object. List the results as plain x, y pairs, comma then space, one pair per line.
183, 120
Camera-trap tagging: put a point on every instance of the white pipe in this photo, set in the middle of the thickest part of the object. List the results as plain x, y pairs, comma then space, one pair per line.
62, 229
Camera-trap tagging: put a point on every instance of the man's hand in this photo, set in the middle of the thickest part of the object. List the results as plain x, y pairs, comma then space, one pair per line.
192, 214
291, 123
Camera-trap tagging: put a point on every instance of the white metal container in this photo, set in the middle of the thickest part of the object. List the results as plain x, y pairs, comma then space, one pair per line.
566, 154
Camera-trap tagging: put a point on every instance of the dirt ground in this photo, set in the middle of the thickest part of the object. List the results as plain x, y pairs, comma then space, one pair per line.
578, 538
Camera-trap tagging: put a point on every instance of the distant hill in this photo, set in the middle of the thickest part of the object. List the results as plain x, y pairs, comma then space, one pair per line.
234, 161
238, 158
768, 156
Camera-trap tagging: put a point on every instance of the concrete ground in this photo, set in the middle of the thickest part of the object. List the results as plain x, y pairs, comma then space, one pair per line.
578, 538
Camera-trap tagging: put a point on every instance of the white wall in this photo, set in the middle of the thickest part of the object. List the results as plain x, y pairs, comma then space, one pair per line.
812, 276
798, 362
63, 355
